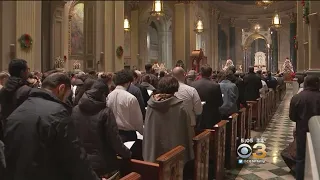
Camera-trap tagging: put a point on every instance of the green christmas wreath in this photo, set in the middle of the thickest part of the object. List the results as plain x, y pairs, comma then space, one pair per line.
25, 41
119, 52
306, 11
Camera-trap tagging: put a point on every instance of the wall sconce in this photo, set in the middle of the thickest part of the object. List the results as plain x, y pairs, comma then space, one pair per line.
126, 25
276, 21
157, 9
199, 26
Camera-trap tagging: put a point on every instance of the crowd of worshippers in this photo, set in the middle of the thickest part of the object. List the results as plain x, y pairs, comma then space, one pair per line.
58, 125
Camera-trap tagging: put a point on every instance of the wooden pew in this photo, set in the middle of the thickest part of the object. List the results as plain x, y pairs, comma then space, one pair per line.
132, 176
241, 125
248, 122
201, 155
169, 166
217, 149
231, 142
256, 112
261, 124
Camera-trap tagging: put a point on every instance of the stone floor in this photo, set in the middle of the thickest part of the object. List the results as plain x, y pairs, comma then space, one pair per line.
278, 135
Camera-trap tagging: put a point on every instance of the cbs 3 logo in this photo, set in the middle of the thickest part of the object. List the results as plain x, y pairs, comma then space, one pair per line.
245, 151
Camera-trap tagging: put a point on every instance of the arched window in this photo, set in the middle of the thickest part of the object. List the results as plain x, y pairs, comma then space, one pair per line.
76, 30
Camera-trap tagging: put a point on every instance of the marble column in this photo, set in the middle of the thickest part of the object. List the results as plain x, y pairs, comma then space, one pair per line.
118, 32
275, 56
28, 21
134, 36
179, 24
292, 36
109, 39
300, 53
232, 41
214, 38
114, 35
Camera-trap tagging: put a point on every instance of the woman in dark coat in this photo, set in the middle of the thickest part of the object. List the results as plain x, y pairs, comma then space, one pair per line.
97, 128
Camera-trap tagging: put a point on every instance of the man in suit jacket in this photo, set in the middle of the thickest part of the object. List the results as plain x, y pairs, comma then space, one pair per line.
252, 85
209, 92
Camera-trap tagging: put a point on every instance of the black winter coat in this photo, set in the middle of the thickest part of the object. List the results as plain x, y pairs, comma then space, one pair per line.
98, 130
41, 142
252, 85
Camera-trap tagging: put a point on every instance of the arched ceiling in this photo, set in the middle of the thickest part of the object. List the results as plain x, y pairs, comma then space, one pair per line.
249, 8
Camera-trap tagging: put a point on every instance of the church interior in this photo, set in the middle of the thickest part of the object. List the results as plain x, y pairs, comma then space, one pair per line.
107, 36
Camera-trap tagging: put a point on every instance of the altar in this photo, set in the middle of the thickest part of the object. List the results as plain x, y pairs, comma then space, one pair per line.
260, 61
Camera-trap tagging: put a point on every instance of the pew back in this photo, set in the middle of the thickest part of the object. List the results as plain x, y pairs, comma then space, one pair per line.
132, 176
201, 152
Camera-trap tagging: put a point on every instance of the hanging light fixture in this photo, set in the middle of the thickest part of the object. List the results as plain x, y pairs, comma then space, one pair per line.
199, 26
126, 24
264, 3
157, 9
276, 21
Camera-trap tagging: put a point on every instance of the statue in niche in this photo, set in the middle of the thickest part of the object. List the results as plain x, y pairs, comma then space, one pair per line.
260, 61
229, 63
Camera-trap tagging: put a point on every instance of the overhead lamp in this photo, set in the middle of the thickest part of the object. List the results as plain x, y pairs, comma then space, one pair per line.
126, 24
199, 26
276, 21
157, 9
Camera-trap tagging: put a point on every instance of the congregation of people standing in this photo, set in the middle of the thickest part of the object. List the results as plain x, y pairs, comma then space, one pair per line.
57, 125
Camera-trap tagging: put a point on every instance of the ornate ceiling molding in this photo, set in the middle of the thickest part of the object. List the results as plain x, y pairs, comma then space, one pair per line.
233, 9
253, 21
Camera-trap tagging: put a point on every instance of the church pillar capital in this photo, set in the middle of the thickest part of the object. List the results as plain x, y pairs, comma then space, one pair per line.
134, 5
232, 22
292, 17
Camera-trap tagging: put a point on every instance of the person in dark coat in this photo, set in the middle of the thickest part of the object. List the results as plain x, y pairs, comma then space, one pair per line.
2, 160
302, 107
271, 81
241, 88
40, 139
154, 79
144, 91
252, 84
209, 92
15, 91
134, 90
98, 130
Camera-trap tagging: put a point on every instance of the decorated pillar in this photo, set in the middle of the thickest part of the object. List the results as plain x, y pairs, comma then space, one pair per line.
274, 38
232, 41
28, 32
134, 34
293, 39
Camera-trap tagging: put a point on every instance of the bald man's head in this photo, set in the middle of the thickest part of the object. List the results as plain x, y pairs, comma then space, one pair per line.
178, 72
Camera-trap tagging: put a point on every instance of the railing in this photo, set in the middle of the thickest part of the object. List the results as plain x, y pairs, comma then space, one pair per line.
312, 161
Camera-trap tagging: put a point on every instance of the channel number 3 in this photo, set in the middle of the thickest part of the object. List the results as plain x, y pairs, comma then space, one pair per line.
260, 151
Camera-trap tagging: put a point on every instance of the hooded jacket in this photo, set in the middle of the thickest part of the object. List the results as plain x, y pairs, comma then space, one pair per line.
41, 142
97, 129
12, 95
167, 125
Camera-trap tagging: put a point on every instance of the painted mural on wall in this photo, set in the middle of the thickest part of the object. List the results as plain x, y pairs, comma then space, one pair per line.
77, 26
